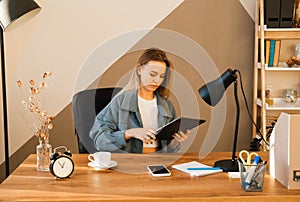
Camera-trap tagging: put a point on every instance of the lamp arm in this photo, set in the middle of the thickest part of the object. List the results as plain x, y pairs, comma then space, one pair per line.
237, 119
249, 114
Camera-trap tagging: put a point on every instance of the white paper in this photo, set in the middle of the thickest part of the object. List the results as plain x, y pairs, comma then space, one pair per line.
194, 164
234, 174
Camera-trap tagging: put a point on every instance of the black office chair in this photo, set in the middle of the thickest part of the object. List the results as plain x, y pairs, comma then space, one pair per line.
86, 105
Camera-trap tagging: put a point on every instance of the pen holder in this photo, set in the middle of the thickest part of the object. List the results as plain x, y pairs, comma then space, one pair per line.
252, 176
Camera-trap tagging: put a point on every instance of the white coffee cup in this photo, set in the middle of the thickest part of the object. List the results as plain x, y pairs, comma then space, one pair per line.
101, 158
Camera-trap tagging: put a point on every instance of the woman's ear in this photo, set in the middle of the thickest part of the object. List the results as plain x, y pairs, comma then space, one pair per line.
138, 69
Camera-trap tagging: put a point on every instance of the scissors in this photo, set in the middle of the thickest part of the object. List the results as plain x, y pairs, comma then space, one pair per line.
248, 159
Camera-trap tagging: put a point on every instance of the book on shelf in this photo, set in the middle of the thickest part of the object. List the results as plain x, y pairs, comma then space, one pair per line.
272, 49
267, 51
276, 53
272, 52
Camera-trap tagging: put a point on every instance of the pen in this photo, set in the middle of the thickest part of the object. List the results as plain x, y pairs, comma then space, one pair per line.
259, 171
208, 168
250, 172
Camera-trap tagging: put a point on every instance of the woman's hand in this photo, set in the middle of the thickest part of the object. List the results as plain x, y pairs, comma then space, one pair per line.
179, 137
144, 134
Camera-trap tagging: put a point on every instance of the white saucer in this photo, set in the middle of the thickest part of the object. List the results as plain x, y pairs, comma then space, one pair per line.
98, 166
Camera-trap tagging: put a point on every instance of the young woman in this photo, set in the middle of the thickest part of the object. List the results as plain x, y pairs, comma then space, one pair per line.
129, 121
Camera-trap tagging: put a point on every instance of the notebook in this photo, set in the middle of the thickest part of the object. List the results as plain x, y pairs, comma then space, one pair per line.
182, 123
194, 164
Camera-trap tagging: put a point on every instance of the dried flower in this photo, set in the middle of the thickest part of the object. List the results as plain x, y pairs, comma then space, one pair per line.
42, 85
38, 118
46, 74
19, 83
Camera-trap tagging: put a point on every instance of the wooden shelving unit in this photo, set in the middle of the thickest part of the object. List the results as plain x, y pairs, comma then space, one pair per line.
263, 33
281, 67
280, 105
280, 33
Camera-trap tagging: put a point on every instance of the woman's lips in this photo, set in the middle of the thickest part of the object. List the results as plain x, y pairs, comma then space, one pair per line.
153, 86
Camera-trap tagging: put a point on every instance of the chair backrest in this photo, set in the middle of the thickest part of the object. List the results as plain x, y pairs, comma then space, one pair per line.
86, 105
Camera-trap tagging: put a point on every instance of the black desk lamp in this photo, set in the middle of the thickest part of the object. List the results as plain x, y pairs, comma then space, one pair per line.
212, 93
12, 13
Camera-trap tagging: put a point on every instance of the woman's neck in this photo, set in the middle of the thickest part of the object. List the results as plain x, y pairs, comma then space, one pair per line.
147, 95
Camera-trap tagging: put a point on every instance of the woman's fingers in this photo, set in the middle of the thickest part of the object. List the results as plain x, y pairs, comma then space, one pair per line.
150, 133
148, 136
178, 137
181, 136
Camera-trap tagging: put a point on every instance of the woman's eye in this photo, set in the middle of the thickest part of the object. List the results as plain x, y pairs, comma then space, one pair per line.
155, 74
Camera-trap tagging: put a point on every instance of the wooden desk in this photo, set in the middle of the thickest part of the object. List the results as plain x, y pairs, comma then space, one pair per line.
121, 184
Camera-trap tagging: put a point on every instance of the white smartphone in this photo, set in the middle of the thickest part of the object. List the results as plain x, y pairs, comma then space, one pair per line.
158, 170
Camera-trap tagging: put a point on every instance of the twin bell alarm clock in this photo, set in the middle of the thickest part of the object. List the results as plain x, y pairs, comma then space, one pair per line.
61, 165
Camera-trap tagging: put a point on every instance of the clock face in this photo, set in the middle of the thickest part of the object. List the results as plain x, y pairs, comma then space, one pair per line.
62, 167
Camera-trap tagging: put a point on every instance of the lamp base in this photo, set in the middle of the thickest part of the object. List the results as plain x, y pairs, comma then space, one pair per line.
228, 165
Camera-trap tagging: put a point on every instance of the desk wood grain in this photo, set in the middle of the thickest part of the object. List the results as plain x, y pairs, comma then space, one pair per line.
129, 181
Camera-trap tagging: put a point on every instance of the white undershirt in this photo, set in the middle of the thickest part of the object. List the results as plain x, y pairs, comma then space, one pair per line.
149, 113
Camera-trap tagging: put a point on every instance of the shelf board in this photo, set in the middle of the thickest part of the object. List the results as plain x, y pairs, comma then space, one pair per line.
280, 105
281, 33
282, 67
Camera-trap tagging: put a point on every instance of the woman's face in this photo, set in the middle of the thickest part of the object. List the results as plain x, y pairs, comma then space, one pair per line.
151, 75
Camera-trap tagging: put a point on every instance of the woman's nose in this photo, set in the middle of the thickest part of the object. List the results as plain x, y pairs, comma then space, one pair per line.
156, 79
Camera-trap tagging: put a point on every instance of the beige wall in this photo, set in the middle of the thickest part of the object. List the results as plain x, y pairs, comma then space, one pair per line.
60, 43
59, 39
225, 47
64, 35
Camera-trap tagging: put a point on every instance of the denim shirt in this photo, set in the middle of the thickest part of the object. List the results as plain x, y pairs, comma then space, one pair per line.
121, 114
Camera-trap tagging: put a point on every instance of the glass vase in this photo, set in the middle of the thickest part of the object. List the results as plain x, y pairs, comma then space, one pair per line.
43, 151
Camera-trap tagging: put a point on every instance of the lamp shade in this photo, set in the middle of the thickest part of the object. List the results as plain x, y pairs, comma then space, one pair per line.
213, 91
12, 10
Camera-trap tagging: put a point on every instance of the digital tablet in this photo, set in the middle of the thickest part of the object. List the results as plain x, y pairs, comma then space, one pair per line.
180, 124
